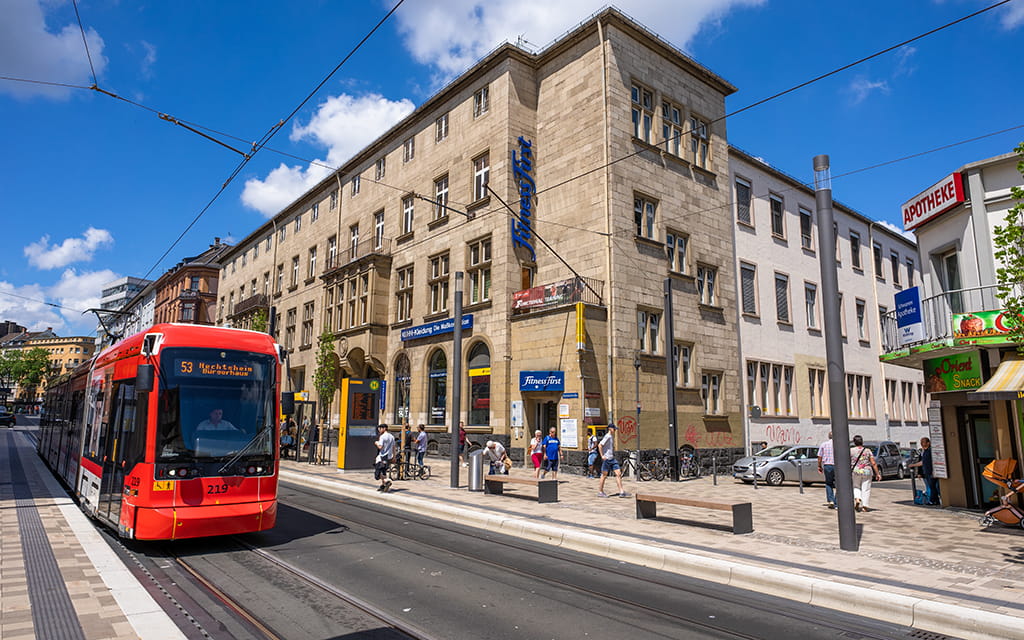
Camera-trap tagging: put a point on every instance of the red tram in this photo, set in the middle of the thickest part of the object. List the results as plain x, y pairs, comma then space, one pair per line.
171, 433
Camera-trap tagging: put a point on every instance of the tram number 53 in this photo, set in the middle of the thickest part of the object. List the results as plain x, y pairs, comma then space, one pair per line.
213, 489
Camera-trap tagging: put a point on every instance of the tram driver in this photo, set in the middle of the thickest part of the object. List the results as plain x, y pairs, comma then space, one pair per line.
216, 422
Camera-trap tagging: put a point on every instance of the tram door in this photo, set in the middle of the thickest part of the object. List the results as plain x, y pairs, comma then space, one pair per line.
122, 413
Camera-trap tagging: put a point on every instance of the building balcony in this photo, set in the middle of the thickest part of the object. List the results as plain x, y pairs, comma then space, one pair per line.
195, 294
364, 250
251, 304
558, 294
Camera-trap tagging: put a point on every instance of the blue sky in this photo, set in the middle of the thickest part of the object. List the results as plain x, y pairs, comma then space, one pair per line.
93, 188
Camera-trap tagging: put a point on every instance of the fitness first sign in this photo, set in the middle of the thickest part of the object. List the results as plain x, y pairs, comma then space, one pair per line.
934, 201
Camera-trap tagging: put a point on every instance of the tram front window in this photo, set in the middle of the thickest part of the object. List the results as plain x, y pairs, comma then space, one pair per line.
214, 404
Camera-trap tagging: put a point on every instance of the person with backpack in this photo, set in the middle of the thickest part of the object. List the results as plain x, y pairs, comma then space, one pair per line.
864, 470
385, 454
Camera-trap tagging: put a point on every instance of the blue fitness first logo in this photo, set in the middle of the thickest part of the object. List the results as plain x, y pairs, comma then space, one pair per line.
522, 167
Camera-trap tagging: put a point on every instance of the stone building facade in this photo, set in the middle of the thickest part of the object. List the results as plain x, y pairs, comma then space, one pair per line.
187, 292
593, 172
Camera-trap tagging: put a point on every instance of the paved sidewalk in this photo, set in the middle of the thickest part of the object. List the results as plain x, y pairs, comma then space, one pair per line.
931, 568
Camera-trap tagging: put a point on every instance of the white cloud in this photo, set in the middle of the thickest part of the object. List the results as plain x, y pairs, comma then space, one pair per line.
77, 292
25, 307
453, 35
29, 49
1013, 16
43, 255
909, 235
904, 62
343, 125
861, 88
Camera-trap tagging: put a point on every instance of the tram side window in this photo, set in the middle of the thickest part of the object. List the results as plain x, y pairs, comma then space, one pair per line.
129, 419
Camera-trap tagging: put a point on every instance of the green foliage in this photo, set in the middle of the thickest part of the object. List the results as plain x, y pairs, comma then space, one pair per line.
326, 375
26, 368
1008, 240
260, 322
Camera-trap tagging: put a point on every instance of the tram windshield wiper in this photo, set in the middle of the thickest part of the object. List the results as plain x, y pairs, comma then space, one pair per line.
241, 452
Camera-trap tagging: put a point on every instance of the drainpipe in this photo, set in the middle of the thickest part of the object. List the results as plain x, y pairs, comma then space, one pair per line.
610, 325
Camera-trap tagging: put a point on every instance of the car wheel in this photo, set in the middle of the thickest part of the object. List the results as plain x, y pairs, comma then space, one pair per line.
774, 477
901, 473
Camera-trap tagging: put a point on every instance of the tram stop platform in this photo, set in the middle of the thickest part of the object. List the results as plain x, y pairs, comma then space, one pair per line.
931, 568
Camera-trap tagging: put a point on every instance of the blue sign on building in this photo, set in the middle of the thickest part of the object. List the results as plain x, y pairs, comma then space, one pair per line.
908, 316
436, 328
542, 381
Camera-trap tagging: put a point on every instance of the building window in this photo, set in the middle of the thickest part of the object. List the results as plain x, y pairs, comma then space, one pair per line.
380, 168
355, 184
403, 388
643, 217
806, 227
811, 303
818, 392
351, 303
312, 263
266, 283
253, 287
280, 278
439, 283
479, 271
481, 173
408, 149
438, 394
778, 216
910, 272
353, 242
408, 209
855, 250
282, 233
255, 250
858, 396
295, 271
479, 369
672, 128
675, 250
480, 100
743, 202
334, 200
298, 223
643, 113
699, 142
193, 283
315, 212
441, 197
307, 324
188, 312
892, 400
782, 298
332, 252
706, 293
441, 128
682, 359
748, 288
243, 258
289, 328
270, 243
861, 311
879, 265
648, 324
364, 298
378, 230
894, 260
711, 392
403, 294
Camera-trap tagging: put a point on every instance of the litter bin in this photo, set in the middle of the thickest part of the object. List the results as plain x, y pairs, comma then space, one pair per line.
476, 470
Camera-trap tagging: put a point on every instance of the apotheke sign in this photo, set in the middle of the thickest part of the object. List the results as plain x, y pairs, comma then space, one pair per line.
933, 201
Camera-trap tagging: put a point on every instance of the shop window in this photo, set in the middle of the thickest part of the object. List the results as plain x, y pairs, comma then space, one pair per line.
438, 391
479, 368
402, 388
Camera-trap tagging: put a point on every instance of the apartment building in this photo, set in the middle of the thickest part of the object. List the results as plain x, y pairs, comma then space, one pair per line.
506, 176
782, 341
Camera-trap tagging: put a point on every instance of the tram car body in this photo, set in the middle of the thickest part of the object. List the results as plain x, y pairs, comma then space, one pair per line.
171, 433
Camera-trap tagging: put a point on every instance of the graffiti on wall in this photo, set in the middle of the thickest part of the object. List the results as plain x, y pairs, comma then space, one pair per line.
718, 439
627, 430
789, 434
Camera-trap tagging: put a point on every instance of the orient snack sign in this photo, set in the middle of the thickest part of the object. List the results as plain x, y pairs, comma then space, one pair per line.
956, 372
981, 327
933, 202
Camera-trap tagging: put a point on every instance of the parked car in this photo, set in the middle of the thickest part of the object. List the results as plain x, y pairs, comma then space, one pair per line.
890, 463
780, 463
7, 419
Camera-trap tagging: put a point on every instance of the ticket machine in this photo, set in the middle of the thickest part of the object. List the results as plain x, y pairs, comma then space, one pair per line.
360, 415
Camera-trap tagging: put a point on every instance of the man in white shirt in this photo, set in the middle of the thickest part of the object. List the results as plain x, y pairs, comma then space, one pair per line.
827, 466
385, 453
216, 422
608, 462
421, 444
495, 453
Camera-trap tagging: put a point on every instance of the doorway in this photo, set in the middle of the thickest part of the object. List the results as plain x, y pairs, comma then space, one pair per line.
544, 416
978, 436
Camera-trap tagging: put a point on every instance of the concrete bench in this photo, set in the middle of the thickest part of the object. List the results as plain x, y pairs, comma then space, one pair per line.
742, 515
547, 490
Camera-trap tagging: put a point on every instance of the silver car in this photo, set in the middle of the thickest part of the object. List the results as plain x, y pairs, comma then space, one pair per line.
780, 463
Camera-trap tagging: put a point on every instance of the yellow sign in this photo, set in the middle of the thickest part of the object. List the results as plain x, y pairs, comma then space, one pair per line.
482, 371
163, 485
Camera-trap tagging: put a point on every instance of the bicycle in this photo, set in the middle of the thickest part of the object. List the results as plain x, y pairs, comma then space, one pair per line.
689, 464
646, 471
408, 470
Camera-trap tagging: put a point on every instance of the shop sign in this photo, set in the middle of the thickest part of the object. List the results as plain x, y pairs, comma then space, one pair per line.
542, 381
956, 372
571, 395
436, 328
933, 201
548, 295
522, 225
592, 412
908, 316
980, 327
481, 371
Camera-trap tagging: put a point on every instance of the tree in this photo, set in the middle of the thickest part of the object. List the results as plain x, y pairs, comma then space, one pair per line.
260, 321
325, 378
1008, 240
25, 368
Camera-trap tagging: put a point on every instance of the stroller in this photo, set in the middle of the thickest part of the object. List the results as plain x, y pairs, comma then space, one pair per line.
999, 472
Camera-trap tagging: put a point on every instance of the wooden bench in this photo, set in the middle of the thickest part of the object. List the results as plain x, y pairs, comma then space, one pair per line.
742, 515
547, 490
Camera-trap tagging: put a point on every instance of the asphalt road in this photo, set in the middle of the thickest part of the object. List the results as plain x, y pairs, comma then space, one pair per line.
456, 582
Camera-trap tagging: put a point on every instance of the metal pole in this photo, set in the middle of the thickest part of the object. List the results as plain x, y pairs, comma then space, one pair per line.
456, 381
636, 368
834, 353
670, 378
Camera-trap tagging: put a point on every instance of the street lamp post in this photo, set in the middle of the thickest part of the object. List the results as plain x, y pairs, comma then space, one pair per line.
636, 367
456, 382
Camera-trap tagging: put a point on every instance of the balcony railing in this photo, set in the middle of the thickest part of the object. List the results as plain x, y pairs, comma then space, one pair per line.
258, 301
563, 292
349, 254
937, 315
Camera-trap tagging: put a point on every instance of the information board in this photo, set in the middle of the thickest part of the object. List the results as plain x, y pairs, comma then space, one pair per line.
938, 441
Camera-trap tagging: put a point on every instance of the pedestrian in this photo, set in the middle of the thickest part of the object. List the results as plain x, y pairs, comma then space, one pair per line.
421, 444
593, 455
287, 444
931, 483
537, 452
552, 454
385, 454
496, 455
609, 464
462, 443
864, 470
827, 467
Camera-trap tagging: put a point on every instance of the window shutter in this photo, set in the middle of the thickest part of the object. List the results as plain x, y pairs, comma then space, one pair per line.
749, 300
782, 299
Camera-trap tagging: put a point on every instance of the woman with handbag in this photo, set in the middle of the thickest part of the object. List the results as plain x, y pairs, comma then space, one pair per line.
864, 470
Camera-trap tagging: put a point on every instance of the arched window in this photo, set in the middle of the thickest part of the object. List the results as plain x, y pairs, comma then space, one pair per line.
438, 394
402, 384
479, 371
